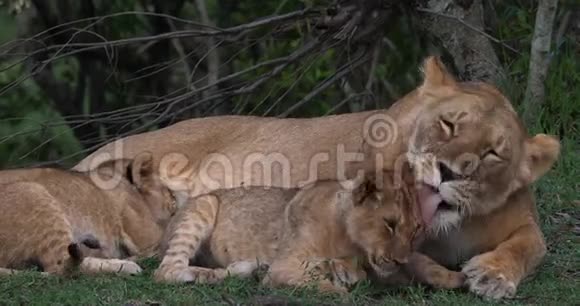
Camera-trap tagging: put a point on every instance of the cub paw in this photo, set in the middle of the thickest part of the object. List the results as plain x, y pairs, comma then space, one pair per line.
93, 265
345, 273
168, 275
488, 280
243, 269
126, 267
446, 279
455, 280
341, 273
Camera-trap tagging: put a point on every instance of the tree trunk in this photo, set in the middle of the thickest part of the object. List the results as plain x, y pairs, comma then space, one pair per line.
213, 61
539, 60
459, 25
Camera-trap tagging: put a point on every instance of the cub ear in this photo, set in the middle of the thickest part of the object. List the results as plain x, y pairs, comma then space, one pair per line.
366, 187
140, 171
372, 186
113, 167
108, 174
540, 153
435, 75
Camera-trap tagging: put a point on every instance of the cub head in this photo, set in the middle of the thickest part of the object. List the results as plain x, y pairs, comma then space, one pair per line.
470, 150
134, 182
384, 220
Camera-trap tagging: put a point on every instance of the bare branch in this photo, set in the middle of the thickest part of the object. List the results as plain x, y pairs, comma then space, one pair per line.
346, 100
181, 52
297, 79
472, 54
343, 71
472, 28
375, 59
213, 59
345, 31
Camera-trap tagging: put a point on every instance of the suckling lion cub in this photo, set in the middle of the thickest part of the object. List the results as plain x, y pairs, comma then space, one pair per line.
317, 233
54, 218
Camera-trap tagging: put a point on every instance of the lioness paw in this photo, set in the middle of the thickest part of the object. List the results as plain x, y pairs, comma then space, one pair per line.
488, 280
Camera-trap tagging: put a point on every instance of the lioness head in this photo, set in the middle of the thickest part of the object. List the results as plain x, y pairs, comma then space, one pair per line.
137, 185
384, 221
470, 150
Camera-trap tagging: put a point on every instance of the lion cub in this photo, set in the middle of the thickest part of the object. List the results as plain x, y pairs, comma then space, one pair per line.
54, 218
325, 232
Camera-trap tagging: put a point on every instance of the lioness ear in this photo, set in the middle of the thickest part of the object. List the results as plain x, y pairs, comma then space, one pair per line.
540, 153
435, 75
140, 172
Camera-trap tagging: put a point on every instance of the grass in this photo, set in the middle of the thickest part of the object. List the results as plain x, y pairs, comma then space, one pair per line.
557, 281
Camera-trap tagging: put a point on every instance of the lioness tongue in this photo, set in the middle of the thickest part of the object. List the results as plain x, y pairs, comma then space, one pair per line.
429, 201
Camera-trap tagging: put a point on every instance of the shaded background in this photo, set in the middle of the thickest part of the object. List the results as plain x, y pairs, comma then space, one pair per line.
77, 74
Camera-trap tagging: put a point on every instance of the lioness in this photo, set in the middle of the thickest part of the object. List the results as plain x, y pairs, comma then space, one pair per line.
54, 218
488, 218
316, 233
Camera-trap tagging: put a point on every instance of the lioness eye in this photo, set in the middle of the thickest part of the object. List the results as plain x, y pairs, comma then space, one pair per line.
447, 126
391, 224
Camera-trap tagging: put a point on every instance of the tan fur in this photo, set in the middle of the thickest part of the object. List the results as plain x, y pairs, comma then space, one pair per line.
303, 235
49, 215
501, 226
470, 146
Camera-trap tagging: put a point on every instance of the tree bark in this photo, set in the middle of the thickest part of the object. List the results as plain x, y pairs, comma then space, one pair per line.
213, 59
459, 25
539, 60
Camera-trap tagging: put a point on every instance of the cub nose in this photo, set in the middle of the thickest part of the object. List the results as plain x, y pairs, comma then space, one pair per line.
446, 173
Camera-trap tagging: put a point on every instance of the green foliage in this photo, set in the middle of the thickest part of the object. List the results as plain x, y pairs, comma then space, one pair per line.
396, 71
561, 112
30, 130
8, 27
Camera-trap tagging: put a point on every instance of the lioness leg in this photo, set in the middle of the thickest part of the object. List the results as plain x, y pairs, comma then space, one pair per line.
329, 275
496, 274
425, 270
192, 225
